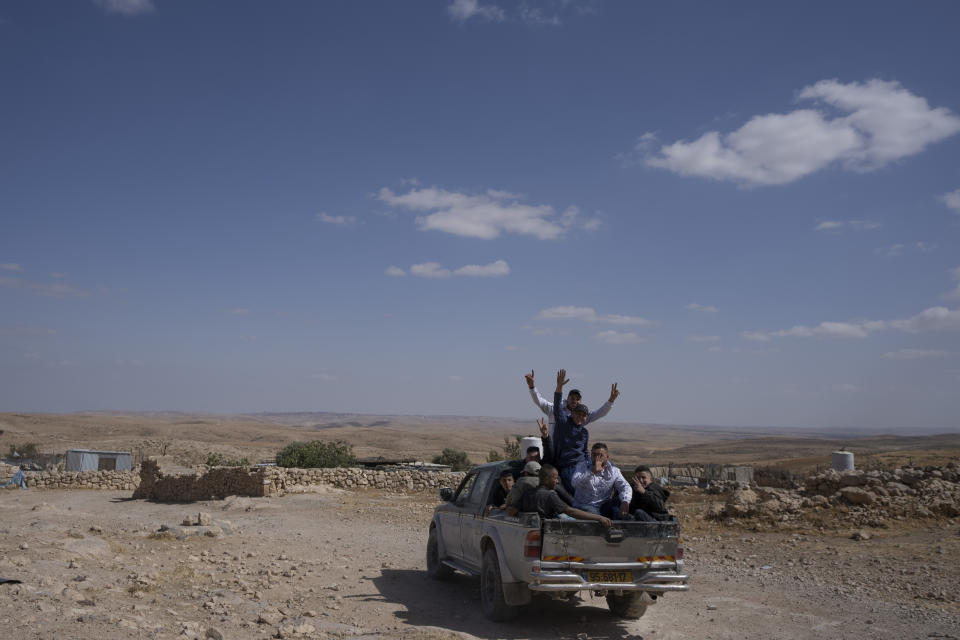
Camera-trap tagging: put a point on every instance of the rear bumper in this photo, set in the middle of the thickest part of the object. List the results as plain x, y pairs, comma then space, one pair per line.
571, 576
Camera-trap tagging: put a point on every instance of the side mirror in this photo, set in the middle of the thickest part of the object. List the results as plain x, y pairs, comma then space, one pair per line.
446, 494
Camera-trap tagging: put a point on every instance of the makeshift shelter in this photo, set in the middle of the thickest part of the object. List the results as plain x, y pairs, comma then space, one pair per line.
89, 460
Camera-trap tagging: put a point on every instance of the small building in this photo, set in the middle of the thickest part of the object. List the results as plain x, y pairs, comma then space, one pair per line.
89, 460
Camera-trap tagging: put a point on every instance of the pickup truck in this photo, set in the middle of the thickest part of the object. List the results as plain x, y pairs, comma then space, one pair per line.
632, 564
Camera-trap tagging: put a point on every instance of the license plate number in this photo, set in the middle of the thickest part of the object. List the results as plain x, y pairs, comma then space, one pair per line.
609, 576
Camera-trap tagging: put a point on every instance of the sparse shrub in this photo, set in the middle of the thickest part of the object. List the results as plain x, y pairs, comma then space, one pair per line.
316, 453
511, 449
494, 456
220, 460
458, 460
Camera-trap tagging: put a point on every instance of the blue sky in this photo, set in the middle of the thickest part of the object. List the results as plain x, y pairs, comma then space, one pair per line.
743, 213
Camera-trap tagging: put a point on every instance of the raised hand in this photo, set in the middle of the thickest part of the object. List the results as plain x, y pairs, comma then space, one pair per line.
543, 427
529, 378
614, 392
562, 378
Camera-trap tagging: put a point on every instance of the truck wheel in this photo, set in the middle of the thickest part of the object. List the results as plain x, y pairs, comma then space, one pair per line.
630, 605
436, 569
491, 590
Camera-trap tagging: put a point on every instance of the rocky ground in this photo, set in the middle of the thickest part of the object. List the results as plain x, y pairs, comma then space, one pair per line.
350, 564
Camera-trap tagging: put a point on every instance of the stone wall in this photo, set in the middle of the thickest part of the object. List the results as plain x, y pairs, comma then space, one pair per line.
219, 482
401, 480
214, 483
204, 483
106, 480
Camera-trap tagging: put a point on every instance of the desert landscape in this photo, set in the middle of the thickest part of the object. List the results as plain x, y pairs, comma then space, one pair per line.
872, 555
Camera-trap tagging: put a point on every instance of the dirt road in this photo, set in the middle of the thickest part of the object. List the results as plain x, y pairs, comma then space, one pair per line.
350, 564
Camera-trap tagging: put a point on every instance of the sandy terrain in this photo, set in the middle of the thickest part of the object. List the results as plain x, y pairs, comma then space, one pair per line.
190, 437
350, 564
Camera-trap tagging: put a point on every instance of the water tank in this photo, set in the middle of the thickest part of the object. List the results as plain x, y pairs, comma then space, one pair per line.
842, 460
530, 441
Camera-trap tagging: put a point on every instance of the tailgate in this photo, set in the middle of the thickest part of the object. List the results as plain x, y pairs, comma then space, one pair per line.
583, 555
586, 541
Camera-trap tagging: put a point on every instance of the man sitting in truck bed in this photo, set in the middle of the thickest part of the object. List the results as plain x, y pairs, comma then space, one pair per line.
649, 498
545, 501
527, 481
595, 482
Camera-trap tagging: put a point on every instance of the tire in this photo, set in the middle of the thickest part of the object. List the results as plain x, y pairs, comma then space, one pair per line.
491, 590
436, 569
630, 605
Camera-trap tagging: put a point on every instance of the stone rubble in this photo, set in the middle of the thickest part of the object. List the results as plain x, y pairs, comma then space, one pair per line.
857, 497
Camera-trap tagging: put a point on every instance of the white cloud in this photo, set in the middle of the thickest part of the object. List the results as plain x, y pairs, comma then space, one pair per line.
617, 337
856, 225
126, 7
52, 289
58, 274
325, 377
932, 319
588, 314
536, 17
923, 247
429, 270
916, 354
341, 220
494, 269
892, 251
455, 378
11, 266
463, 10
483, 216
703, 338
592, 224
952, 200
238, 311
694, 306
874, 123
546, 331
955, 294
829, 225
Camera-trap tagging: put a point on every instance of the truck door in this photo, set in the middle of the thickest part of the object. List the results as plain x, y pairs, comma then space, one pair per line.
449, 516
471, 518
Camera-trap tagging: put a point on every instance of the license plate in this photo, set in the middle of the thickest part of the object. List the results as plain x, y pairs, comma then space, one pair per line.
609, 576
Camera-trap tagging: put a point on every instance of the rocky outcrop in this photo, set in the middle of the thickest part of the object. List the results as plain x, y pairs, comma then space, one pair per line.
862, 497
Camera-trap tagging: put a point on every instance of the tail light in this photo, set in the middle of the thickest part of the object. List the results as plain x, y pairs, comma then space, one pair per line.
531, 546
679, 554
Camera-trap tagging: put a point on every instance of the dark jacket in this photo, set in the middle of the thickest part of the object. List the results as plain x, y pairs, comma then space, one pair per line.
570, 442
653, 501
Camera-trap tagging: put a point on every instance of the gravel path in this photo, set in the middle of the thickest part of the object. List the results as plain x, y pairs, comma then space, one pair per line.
350, 564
